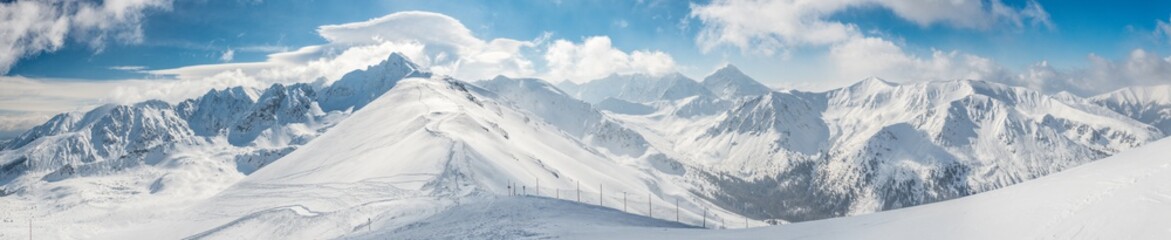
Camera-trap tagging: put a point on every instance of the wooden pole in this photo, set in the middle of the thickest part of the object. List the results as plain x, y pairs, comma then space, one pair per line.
623, 201
704, 217
650, 211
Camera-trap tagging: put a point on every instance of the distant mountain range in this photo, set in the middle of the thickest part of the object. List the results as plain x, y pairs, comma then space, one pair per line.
729, 142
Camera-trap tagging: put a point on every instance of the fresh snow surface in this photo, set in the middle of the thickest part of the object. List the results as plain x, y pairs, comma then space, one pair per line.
520, 218
1121, 197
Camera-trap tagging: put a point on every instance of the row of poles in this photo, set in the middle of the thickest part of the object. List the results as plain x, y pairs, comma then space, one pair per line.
601, 200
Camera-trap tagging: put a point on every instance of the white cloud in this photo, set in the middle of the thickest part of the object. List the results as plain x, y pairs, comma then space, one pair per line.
1163, 30
863, 57
34, 95
13, 124
768, 26
621, 23
132, 68
1139, 68
228, 55
445, 46
432, 40
33, 27
263, 48
596, 58
27, 102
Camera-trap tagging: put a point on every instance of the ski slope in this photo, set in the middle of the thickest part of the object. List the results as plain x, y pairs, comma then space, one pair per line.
1126, 196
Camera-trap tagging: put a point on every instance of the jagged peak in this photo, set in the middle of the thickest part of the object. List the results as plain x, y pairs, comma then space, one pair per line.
236, 92
395, 61
397, 58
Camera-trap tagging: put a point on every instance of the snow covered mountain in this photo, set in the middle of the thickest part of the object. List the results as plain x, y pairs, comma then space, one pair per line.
393, 147
728, 82
257, 127
577, 118
424, 146
876, 146
1150, 105
431, 139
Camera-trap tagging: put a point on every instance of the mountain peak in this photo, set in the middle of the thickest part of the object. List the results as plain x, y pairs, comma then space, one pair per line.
729, 68
877, 80
397, 57
730, 82
359, 87
871, 83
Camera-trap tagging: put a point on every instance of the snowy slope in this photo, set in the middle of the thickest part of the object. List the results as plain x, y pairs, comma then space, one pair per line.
439, 139
1121, 197
579, 119
423, 147
1150, 105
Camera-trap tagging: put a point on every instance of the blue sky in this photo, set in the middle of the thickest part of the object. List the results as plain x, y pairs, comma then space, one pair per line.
1085, 47
198, 32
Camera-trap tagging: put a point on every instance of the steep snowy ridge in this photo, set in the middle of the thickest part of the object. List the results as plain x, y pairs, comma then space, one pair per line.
357, 88
784, 124
729, 82
1150, 105
573, 116
107, 133
217, 110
